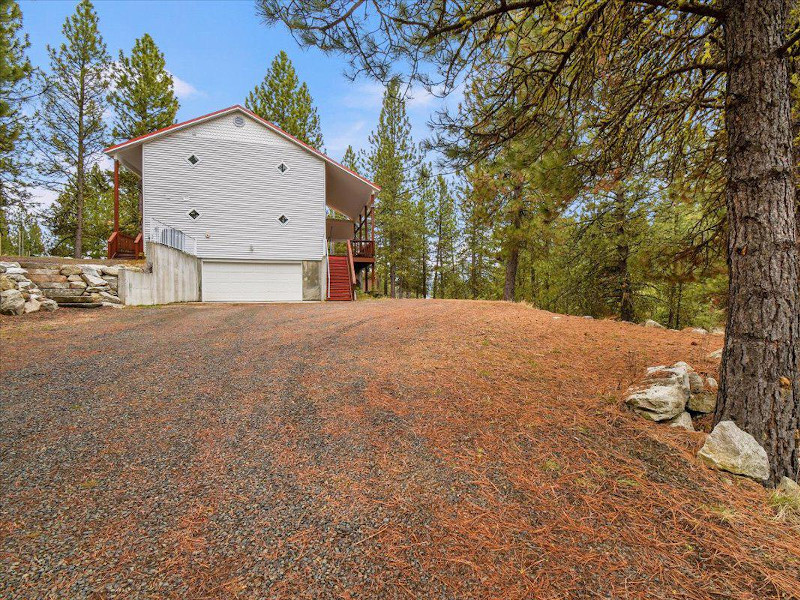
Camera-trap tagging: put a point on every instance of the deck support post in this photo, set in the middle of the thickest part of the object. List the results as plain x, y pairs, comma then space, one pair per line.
116, 196
372, 236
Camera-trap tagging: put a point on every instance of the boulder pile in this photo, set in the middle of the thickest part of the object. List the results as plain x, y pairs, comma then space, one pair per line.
671, 394
46, 286
18, 294
675, 394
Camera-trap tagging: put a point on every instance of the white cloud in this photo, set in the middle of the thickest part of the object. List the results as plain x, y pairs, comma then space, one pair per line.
365, 96
184, 89
352, 136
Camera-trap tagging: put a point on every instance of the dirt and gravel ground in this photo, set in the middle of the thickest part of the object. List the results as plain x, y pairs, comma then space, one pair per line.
392, 449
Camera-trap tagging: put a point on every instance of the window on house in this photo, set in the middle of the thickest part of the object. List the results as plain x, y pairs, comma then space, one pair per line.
283, 168
283, 219
193, 159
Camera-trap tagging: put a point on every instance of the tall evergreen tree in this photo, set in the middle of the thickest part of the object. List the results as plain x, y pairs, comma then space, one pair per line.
391, 155
71, 114
445, 235
16, 86
143, 100
280, 100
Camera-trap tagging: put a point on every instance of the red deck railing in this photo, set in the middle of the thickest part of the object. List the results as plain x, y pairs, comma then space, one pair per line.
121, 244
363, 248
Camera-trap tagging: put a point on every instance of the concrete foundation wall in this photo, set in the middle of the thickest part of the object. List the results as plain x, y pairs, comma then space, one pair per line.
314, 280
173, 276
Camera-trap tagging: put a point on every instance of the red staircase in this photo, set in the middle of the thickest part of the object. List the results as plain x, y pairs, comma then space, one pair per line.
339, 287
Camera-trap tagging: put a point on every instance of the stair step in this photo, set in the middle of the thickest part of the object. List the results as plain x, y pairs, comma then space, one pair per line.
81, 305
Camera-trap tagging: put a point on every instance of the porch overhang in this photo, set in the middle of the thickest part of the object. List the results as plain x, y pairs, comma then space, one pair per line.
339, 230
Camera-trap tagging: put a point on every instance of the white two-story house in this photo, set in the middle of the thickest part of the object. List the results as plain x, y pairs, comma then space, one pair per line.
249, 201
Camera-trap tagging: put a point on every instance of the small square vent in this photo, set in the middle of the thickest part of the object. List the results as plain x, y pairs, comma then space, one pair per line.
193, 159
194, 214
283, 168
283, 219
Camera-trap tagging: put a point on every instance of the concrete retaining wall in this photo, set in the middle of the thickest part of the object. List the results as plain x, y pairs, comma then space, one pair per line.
172, 276
314, 280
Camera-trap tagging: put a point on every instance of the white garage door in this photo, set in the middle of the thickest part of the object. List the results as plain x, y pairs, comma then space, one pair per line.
252, 282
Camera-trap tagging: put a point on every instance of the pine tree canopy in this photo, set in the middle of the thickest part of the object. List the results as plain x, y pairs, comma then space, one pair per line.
144, 97
15, 85
282, 100
72, 128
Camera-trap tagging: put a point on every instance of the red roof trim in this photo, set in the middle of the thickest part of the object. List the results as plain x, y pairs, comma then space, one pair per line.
253, 115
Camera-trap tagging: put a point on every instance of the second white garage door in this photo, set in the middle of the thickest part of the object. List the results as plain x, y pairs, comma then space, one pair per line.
252, 282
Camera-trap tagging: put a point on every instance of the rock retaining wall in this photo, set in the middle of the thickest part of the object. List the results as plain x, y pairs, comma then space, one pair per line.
48, 285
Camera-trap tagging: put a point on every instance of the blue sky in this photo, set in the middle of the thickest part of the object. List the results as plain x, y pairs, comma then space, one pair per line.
219, 50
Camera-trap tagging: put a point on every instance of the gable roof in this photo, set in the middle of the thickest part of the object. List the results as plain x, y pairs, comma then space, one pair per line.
235, 108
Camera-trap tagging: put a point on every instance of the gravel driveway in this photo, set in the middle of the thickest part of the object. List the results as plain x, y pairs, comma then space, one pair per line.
384, 449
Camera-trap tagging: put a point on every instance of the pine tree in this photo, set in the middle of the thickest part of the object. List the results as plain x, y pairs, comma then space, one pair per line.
71, 114
97, 214
351, 160
15, 86
280, 100
143, 101
391, 155
445, 234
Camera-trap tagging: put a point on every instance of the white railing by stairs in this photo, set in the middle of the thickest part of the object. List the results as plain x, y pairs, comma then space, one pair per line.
173, 237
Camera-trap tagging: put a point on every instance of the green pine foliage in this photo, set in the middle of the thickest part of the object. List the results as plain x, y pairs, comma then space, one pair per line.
73, 132
143, 98
143, 101
392, 154
16, 84
282, 100
98, 215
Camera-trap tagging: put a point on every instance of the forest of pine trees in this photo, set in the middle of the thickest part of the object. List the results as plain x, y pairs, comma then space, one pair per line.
550, 217
534, 219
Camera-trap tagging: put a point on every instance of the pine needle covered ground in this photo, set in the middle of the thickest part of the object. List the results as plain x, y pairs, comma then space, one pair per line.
393, 449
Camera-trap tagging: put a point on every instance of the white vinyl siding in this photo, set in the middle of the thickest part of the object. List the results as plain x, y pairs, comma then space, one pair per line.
238, 190
252, 282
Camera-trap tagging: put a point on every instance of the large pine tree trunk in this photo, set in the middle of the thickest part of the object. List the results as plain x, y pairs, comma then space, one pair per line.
623, 275
512, 257
79, 201
759, 387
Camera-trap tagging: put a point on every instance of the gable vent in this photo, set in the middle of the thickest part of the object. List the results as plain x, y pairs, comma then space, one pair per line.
283, 168
193, 159
238, 121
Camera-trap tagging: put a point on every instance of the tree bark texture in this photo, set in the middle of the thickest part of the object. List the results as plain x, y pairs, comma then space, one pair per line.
759, 387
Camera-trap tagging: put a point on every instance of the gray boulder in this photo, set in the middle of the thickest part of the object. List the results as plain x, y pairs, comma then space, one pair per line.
112, 270
91, 277
653, 324
788, 487
705, 402
716, 354
9, 265
662, 395
69, 270
12, 302
683, 420
110, 298
728, 448
6, 283
48, 305
32, 305
695, 383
